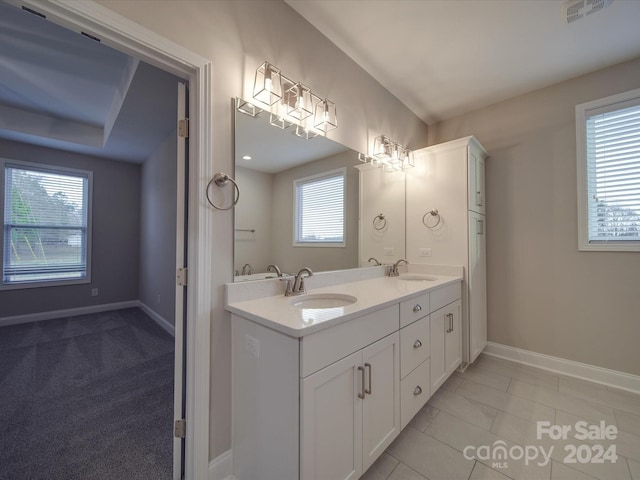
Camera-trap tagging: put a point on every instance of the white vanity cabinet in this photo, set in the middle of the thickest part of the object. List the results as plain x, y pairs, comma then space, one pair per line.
326, 404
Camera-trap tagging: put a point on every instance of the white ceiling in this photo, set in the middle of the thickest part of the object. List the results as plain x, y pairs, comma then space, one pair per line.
442, 58
62, 90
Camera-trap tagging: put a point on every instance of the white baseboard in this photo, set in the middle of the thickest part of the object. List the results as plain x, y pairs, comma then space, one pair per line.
221, 467
165, 324
36, 317
592, 373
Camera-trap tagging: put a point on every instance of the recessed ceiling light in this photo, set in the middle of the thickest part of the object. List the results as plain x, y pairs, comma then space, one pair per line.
246, 157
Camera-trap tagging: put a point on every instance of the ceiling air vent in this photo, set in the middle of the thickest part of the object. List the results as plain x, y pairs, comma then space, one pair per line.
573, 10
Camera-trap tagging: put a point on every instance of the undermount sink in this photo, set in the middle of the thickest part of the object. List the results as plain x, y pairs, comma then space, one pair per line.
416, 278
323, 300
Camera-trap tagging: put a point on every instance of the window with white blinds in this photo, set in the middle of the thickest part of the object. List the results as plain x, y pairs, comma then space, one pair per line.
610, 173
319, 210
46, 233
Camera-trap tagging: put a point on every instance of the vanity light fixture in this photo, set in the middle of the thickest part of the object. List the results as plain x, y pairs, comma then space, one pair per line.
290, 103
389, 155
267, 87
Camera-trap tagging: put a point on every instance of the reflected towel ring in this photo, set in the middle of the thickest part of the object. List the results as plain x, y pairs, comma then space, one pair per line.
433, 213
221, 179
379, 218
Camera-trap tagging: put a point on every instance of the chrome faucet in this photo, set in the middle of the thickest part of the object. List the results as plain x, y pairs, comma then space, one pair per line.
246, 269
394, 270
375, 260
296, 286
275, 269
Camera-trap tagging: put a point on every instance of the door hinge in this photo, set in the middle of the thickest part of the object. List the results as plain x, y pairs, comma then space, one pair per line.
181, 277
180, 428
183, 128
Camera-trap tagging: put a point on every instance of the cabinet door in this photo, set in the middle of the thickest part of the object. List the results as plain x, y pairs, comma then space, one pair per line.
477, 293
453, 337
381, 406
331, 421
437, 341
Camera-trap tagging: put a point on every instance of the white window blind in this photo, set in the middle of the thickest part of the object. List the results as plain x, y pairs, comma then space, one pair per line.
46, 215
613, 175
319, 209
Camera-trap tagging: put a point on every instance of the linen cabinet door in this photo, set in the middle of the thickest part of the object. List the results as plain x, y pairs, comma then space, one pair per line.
381, 406
331, 421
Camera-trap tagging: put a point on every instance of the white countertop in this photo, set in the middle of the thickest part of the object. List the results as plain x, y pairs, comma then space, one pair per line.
278, 313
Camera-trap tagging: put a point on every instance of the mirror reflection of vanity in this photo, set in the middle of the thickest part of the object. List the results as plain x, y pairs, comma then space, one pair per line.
264, 216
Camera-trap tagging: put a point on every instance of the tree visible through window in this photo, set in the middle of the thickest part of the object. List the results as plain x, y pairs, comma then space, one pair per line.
46, 216
608, 132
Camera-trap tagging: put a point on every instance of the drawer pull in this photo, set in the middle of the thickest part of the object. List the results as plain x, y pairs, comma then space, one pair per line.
417, 344
417, 308
368, 390
417, 391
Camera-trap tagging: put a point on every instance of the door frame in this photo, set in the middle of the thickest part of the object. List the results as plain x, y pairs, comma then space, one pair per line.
129, 37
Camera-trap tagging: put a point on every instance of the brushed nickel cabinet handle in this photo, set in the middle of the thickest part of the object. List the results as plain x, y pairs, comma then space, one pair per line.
417, 344
368, 390
417, 391
417, 308
362, 390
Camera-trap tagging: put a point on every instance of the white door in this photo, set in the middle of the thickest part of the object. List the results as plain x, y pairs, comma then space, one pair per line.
180, 313
477, 306
453, 337
438, 361
381, 406
331, 421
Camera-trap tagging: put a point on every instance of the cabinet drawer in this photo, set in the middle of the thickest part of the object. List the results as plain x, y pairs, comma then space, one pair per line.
327, 346
414, 309
445, 295
415, 390
414, 345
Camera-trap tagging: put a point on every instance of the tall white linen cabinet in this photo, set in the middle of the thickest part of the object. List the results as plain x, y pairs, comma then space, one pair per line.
446, 225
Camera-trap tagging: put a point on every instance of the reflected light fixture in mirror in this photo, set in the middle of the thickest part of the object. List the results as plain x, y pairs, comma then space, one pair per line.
267, 87
247, 108
389, 155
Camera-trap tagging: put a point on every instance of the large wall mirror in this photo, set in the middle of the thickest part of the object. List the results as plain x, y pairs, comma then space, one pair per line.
279, 174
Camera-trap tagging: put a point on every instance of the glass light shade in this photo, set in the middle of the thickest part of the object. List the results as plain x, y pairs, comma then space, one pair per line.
267, 87
298, 100
305, 133
325, 117
407, 159
278, 121
382, 147
247, 108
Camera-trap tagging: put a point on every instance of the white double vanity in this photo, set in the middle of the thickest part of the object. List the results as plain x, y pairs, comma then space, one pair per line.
324, 381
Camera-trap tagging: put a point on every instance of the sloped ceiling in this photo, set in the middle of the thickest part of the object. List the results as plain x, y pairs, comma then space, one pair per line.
443, 58
63, 90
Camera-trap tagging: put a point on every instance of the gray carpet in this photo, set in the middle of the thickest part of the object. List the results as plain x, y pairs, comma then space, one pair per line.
87, 397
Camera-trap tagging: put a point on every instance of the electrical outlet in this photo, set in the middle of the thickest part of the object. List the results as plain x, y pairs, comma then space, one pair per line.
425, 252
252, 345
94, 292
388, 252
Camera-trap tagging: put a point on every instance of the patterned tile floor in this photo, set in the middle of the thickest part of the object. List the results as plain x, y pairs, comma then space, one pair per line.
497, 403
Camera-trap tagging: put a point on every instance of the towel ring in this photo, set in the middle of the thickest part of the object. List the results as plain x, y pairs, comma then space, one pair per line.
433, 213
379, 218
221, 179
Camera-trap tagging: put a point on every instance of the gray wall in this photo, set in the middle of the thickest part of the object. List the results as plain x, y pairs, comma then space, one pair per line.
115, 238
237, 36
291, 259
158, 190
543, 294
